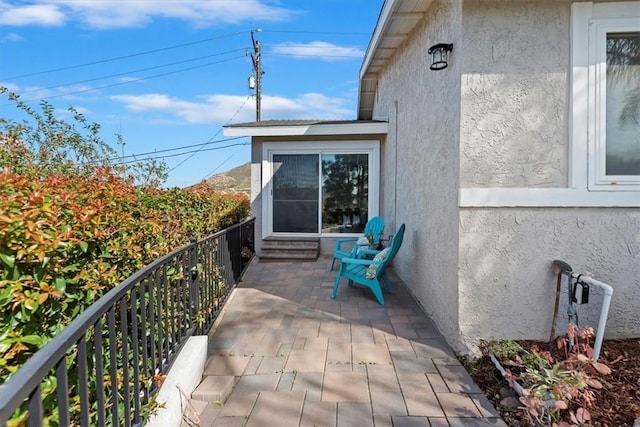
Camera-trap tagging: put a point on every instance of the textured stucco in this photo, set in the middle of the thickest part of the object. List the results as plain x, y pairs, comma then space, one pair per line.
497, 117
507, 284
256, 191
514, 133
420, 163
514, 65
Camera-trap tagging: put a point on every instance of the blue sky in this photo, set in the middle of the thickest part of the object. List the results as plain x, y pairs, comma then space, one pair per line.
170, 73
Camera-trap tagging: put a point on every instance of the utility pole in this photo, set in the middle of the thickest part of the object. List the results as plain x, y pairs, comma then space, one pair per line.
257, 70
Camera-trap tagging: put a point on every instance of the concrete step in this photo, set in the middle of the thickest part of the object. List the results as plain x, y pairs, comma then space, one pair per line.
281, 249
291, 243
287, 256
215, 388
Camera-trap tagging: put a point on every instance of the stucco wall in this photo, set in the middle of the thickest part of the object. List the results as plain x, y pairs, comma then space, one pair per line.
507, 285
514, 128
514, 62
256, 190
420, 163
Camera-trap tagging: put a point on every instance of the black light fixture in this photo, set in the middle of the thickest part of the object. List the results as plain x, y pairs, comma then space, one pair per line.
439, 55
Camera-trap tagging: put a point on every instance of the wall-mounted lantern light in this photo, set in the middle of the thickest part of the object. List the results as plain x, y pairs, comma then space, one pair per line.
439, 55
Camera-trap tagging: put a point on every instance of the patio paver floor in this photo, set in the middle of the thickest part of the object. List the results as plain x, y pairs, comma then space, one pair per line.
308, 360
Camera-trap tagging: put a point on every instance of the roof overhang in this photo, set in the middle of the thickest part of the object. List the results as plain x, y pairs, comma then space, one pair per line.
356, 127
396, 21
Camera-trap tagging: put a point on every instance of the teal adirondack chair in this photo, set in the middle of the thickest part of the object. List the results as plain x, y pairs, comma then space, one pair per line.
375, 226
370, 273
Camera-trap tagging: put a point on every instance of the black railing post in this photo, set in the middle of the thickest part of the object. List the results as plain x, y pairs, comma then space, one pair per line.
135, 337
194, 281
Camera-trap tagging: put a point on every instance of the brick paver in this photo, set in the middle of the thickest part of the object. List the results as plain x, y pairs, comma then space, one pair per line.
277, 409
303, 359
458, 405
319, 414
354, 414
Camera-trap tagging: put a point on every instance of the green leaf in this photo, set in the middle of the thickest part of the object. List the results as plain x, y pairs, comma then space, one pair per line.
32, 339
30, 304
5, 295
84, 246
38, 273
60, 284
71, 268
8, 260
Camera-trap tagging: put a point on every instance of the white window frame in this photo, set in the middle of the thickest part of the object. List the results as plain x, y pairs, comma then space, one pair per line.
370, 147
605, 18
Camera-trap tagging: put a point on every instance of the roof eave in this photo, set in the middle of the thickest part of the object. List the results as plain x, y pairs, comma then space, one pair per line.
365, 128
411, 12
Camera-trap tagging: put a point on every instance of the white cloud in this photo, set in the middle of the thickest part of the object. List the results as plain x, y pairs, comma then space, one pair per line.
11, 38
105, 14
223, 108
47, 15
318, 49
306, 106
129, 79
68, 93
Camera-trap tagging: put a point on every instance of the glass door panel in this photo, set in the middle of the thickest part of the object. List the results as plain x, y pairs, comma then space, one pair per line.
345, 192
295, 193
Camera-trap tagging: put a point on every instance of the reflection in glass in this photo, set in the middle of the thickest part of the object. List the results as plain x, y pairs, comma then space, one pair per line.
295, 193
345, 192
623, 104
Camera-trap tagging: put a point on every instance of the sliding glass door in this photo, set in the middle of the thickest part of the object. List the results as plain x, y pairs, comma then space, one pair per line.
295, 193
322, 190
345, 192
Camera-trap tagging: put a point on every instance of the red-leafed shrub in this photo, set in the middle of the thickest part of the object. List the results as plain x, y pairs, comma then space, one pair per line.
65, 241
73, 226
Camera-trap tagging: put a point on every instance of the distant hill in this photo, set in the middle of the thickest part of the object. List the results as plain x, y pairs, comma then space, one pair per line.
236, 180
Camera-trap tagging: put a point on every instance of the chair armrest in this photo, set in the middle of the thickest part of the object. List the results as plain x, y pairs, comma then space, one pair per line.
361, 261
352, 239
373, 252
339, 242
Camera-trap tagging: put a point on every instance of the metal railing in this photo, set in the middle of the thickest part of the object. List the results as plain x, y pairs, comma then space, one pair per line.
106, 365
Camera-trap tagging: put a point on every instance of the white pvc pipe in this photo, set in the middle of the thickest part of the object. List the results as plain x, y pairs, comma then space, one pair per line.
514, 384
604, 311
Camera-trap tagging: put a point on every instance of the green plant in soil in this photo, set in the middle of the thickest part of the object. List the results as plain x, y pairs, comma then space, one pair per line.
504, 349
556, 393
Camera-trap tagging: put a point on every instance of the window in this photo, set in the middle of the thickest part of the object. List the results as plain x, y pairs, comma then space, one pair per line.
610, 53
622, 105
345, 192
616, 157
300, 185
320, 188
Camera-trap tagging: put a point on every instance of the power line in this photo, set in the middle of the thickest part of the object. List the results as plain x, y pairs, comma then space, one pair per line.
175, 149
217, 167
136, 71
182, 154
117, 58
136, 80
217, 133
162, 49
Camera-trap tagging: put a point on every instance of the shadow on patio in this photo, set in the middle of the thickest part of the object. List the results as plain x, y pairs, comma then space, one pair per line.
300, 358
